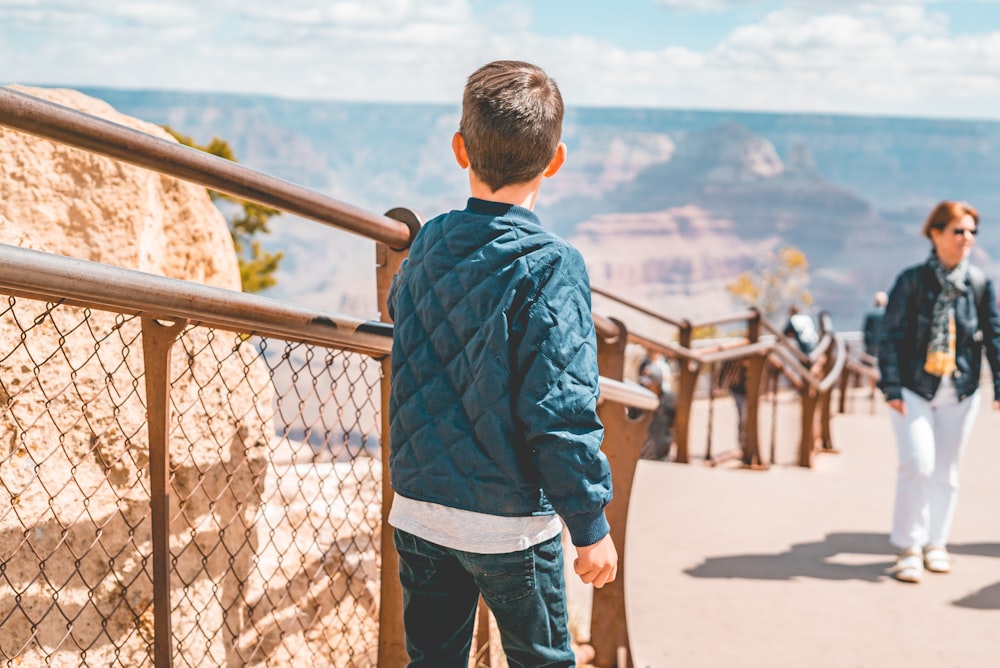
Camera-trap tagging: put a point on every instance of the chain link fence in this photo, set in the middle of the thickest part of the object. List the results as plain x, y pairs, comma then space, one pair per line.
275, 494
266, 517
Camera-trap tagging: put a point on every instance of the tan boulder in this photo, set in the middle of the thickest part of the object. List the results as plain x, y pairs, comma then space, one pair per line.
72, 202
74, 452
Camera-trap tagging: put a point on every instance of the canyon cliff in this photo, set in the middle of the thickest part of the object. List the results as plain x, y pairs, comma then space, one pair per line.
849, 191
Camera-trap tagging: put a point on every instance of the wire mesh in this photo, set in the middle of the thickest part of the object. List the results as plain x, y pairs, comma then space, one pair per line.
275, 489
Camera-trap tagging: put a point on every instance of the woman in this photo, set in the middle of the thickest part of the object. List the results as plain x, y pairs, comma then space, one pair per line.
940, 315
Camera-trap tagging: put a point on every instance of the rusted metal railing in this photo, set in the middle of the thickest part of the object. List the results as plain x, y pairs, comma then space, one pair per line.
814, 376
625, 434
65, 125
162, 312
860, 370
305, 385
232, 467
767, 359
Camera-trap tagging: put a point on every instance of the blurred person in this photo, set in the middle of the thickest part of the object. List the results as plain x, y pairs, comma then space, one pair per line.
733, 377
654, 375
872, 325
940, 316
871, 328
658, 361
802, 329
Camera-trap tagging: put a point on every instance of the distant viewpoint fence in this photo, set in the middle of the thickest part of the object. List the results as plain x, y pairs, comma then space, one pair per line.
769, 368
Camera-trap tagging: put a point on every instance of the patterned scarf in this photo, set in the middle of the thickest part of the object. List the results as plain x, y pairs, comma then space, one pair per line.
940, 359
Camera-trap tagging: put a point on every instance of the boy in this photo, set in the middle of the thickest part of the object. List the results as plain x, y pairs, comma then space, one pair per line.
493, 422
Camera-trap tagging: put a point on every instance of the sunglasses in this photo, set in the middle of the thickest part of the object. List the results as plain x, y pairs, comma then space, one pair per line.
961, 232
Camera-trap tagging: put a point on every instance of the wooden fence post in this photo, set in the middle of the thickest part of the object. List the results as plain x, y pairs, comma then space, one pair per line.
826, 405
755, 374
685, 397
623, 439
391, 639
844, 384
157, 341
807, 439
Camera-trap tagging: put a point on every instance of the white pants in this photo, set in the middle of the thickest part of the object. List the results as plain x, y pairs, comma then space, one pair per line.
931, 438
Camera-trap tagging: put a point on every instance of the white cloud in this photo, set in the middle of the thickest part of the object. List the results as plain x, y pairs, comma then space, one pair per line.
354, 49
704, 5
812, 5
893, 56
881, 59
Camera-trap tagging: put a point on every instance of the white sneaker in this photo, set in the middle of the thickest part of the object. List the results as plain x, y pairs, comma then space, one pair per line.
937, 559
909, 566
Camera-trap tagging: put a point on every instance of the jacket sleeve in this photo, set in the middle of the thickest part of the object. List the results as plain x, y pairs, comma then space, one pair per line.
892, 334
555, 395
394, 291
989, 323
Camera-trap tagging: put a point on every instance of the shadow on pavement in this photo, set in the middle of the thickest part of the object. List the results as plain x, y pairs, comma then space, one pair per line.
976, 549
831, 559
987, 598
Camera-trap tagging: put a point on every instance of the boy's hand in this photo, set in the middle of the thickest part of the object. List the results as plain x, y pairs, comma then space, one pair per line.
597, 564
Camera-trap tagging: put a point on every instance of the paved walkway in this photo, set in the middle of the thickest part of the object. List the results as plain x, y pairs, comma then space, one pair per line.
788, 567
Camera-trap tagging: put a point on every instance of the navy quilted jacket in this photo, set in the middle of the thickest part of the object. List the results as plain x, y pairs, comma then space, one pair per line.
493, 405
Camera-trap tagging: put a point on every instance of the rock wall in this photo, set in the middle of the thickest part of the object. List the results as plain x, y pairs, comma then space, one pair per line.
71, 202
76, 575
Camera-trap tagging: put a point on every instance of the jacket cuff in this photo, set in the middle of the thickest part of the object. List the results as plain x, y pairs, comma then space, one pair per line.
587, 529
892, 392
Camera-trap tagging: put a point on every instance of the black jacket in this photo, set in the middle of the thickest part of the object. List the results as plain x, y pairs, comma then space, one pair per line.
906, 334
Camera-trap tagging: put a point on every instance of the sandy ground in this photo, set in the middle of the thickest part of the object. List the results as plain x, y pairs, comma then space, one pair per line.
789, 567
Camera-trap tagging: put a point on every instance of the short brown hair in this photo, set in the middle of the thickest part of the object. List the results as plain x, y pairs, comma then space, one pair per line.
512, 115
947, 211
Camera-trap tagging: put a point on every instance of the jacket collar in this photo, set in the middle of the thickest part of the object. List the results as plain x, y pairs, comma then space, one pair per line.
486, 207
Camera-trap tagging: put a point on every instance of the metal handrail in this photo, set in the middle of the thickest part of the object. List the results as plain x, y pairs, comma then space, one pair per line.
766, 324
606, 328
674, 349
56, 278
731, 353
680, 324
870, 372
838, 364
637, 307
744, 316
788, 358
59, 123
629, 394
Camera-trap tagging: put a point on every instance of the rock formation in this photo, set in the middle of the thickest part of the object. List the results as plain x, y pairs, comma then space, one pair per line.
678, 260
67, 201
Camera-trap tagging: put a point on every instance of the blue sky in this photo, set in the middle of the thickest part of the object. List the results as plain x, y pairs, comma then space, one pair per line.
887, 57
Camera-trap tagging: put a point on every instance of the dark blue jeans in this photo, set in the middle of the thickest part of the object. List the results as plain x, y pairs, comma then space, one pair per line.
525, 590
